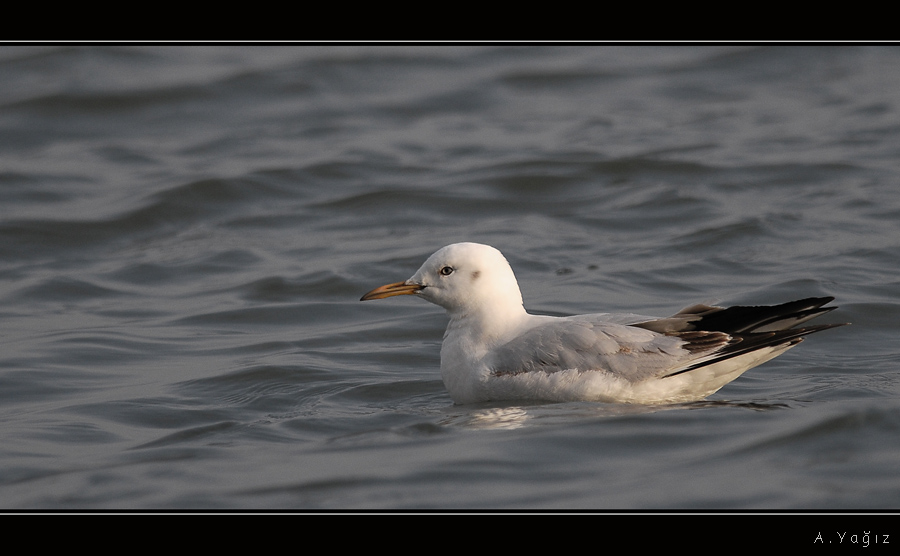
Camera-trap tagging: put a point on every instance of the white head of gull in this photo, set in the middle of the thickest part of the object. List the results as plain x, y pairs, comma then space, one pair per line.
494, 350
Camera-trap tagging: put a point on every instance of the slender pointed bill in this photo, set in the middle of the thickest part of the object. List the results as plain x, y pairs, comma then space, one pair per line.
390, 290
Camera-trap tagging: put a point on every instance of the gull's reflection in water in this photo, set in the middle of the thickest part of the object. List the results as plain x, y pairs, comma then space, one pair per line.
485, 417
491, 418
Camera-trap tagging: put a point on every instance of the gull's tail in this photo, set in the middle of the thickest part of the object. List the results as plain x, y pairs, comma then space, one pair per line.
751, 328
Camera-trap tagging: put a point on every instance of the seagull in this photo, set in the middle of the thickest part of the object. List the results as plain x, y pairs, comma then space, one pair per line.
494, 350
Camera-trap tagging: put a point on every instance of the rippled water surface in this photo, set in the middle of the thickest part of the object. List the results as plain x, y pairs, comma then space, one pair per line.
185, 233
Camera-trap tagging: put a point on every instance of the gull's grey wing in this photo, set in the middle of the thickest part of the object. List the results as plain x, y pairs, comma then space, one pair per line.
586, 343
636, 349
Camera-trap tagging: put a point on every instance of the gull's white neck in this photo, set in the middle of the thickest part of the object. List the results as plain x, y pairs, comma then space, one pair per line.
470, 336
488, 326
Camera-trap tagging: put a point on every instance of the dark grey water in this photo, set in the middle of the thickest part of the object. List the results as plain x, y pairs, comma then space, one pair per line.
185, 233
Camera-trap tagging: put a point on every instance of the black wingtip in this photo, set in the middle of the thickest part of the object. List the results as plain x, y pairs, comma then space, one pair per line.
742, 319
746, 343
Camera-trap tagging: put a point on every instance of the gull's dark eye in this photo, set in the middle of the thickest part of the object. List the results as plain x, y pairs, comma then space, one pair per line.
446, 271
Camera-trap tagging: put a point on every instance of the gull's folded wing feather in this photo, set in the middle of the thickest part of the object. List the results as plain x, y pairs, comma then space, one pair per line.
586, 343
636, 349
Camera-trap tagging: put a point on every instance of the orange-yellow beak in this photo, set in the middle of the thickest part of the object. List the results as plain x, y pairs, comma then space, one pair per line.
390, 290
